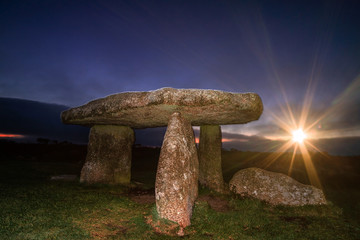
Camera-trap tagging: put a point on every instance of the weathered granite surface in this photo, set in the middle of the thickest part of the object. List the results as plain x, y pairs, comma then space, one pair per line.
153, 108
210, 169
109, 155
275, 188
176, 186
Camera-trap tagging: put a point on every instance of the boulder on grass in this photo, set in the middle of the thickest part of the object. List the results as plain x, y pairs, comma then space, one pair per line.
275, 188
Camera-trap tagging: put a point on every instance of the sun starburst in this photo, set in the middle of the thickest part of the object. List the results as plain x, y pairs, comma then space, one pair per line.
298, 136
297, 127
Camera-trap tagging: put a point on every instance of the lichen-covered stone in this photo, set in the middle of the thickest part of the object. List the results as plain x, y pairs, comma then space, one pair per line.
109, 155
210, 169
176, 186
154, 108
275, 188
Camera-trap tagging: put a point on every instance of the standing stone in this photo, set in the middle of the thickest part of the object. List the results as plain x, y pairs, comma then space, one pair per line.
176, 186
210, 169
109, 155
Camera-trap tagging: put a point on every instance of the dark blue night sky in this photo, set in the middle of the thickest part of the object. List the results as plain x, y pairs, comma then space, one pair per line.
301, 54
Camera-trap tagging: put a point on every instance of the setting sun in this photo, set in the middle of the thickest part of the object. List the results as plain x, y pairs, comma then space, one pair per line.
298, 135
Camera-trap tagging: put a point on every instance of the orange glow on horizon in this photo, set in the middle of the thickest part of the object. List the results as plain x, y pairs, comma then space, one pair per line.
226, 140
4, 135
222, 140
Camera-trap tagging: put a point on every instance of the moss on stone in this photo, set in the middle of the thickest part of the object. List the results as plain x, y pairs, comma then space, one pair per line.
122, 178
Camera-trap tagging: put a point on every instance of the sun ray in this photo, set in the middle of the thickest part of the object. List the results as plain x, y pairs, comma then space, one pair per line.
291, 120
292, 160
339, 102
237, 165
317, 149
251, 158
309, 95
281, 123
298, 142
310, 168
275, 155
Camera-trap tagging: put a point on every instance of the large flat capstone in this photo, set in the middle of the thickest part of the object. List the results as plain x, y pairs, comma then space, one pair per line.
154, 108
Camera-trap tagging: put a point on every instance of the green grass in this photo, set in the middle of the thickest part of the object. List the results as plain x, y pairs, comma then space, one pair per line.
33, 207
251, 219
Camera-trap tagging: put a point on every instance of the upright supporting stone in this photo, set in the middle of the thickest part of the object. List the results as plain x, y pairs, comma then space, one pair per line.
109, 155
176, 186
210, 170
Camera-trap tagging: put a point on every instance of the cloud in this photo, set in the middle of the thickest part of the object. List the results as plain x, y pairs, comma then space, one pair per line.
252, 143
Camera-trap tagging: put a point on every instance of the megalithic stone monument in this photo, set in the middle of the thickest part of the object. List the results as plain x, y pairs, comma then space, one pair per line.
112, 118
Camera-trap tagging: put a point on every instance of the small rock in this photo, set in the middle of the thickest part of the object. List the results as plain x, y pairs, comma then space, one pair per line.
275, 188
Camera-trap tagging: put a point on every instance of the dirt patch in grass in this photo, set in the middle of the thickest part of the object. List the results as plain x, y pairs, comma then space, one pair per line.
106, 223
301, 221
142, 196
117, 228
164, 227
216, 203
107, 230
104, 229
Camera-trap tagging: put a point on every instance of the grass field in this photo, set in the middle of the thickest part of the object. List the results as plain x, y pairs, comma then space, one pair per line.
34, 207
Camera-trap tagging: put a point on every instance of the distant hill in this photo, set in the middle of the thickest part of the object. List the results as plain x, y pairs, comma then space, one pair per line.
37, 119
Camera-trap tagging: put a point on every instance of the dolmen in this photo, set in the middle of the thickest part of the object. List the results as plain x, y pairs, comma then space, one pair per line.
181, 165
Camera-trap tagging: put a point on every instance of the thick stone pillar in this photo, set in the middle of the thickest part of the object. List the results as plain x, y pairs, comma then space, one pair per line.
176, 186
109, 155
210, 170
